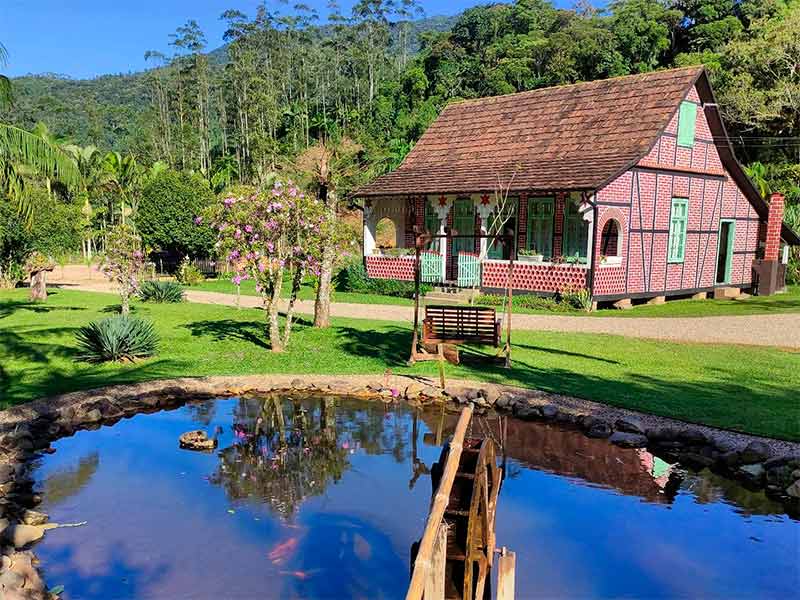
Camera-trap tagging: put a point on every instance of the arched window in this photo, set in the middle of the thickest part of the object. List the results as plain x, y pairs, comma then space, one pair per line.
610, 239
386, 233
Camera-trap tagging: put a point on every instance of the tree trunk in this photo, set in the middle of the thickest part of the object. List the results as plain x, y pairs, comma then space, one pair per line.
296, 281
126, 303
322, 304
271, 305
39, 286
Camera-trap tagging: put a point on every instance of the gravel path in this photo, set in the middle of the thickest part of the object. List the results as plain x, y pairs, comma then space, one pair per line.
781, 330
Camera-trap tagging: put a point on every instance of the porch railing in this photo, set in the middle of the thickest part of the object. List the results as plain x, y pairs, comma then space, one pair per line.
431, 267
469, 270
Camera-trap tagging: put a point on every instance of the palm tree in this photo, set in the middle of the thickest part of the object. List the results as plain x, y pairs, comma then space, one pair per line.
124, 176
20, 147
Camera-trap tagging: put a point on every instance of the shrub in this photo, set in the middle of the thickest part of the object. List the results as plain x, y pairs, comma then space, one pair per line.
353, 278
160, 291
523, 301
116, 339
189, 274
578, 298
16, 244
166, 216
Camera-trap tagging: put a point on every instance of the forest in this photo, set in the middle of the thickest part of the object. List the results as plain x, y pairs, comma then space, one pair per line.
333, 102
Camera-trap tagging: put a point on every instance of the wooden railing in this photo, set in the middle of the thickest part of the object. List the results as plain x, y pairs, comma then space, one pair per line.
428, 577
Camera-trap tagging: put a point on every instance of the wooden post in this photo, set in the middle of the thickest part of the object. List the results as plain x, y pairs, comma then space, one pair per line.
434, 582
508, 310
414, 337
424, 561
506, 565
442, 381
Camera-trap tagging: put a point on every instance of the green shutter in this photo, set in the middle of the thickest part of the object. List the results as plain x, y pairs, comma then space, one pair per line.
540, 225
686, 123
677, 230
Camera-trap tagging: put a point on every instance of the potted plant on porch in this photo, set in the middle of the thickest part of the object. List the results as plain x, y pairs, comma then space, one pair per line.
530, 256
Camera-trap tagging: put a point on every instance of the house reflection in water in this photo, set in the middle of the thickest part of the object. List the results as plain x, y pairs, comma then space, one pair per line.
568, 452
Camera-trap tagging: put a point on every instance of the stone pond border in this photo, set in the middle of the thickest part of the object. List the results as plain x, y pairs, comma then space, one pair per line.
27, 432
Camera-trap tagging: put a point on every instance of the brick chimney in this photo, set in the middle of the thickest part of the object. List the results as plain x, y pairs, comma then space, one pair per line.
774, 222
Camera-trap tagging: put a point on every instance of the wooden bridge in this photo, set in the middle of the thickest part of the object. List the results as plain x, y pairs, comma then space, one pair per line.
455, 556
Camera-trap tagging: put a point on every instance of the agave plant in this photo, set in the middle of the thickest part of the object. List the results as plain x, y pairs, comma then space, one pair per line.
117, 338
160, 291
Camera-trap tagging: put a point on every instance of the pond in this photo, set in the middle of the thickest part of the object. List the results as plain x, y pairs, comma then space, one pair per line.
324, 498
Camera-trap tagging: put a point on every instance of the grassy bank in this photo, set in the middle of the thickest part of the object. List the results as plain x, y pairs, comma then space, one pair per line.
742, 388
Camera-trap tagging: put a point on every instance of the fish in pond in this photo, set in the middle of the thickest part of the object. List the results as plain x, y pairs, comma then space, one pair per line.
281, 552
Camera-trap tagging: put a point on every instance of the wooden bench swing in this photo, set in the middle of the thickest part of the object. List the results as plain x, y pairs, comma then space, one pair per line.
445, 326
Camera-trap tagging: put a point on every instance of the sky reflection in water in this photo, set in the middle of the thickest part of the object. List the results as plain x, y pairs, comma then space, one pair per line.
333, 510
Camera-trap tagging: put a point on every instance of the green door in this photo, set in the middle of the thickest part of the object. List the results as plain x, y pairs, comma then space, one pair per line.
464, 224
727, 234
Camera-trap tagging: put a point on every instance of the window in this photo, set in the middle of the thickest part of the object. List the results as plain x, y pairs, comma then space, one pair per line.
540, 226
677, 229
687, 118
576, 232
609, 240
497, 249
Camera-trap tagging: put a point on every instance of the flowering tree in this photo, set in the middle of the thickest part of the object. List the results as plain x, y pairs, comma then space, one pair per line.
266, 236
123, 262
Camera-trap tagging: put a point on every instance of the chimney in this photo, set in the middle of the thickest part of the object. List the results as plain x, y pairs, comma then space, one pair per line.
774, 223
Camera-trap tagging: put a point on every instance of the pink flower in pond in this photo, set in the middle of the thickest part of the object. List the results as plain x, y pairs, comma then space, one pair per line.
345, 445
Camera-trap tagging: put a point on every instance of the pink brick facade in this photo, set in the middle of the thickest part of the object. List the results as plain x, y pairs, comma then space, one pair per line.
390, 267
544, 278
641, 202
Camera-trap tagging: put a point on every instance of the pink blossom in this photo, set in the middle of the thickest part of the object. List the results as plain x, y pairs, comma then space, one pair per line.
198, 220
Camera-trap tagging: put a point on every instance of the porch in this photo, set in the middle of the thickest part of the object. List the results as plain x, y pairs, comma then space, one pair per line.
552, 240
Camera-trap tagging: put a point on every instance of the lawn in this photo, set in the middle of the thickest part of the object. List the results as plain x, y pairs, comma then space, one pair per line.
742, 388
756, 305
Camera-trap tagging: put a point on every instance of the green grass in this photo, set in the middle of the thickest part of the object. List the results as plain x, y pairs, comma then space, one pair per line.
756, 305
307, 292
742, 388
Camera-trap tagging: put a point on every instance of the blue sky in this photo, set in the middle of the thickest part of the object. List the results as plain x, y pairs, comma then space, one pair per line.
86, 38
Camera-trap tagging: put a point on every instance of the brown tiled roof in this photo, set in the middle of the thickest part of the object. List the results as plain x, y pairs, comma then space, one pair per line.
567, 137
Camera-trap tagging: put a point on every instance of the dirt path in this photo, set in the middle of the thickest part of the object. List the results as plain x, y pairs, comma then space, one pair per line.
781, 330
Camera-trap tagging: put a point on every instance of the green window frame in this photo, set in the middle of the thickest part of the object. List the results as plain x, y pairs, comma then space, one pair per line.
576, 232
678, 220
431, 218
495, 248
541, 216
687, 119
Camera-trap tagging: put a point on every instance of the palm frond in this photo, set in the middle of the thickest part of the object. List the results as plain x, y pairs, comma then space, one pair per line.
6, 97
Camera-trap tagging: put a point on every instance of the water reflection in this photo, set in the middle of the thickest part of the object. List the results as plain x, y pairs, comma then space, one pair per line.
283, 453
322, 498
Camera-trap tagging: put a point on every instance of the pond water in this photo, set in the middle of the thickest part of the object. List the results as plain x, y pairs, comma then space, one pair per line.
327, 499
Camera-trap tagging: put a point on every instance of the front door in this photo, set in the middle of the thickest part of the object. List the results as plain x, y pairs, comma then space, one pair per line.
727, 232
463, 224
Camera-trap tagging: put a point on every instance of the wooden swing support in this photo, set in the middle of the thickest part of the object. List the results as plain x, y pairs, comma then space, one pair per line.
444, 351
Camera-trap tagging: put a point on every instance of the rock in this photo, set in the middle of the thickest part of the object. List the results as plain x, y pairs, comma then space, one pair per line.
20, 536
414, 391
472, 394
481, 401
506, 402
549, 411
796, 474
629, 425
93, 416
794, 490
11, 581
755, 452
692, 437
754, 472
661, 434
32, 517
526, 412
3, 526
776, 461
491, 395
197, 440
696, 460
596, 428
462, 399
7, 472
628, 440
731, 459
297, 384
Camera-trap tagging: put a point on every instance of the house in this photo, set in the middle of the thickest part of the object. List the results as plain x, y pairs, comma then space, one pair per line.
627, 187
